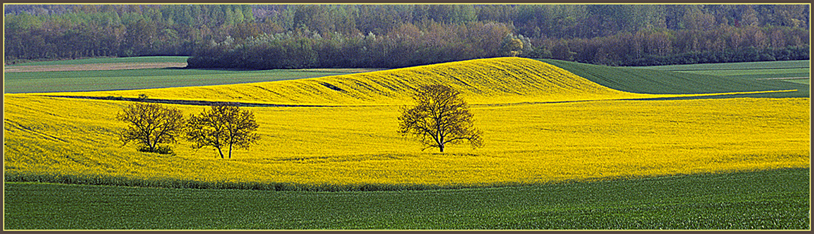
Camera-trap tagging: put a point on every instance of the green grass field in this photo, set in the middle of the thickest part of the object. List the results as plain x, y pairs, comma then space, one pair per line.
775, 199
735, 66
40, 82
148, 59
800, 81
700, 78
68, 81
799, 69
757, 73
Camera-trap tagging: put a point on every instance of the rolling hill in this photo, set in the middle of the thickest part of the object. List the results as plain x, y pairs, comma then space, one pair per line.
482, 81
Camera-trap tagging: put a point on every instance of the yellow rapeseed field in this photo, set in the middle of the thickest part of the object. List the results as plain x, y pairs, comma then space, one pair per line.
496, 80
524, 142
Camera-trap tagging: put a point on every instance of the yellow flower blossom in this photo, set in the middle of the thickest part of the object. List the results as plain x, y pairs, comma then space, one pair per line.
527, 138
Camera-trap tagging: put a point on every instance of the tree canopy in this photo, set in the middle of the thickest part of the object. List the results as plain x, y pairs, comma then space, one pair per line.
222, 126
150, 125
296, 36
440, 116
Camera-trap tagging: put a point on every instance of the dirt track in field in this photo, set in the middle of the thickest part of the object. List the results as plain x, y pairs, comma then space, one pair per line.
93, 67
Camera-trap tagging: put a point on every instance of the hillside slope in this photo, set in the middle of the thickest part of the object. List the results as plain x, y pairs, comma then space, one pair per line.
482, 81
641, 80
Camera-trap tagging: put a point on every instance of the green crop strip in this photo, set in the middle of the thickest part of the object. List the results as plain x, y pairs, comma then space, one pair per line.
703, 78
772, 199
146, 59
60, 81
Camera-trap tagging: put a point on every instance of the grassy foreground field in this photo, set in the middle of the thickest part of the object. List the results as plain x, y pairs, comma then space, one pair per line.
774, 199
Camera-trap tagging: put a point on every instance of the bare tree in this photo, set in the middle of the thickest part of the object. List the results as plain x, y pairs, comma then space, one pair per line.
440, 116
150, 125
222, 125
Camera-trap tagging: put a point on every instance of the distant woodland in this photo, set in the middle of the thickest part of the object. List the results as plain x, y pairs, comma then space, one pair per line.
388, 36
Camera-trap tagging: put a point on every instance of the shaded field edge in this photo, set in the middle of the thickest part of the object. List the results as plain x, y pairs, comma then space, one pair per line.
93, 67
251, 104
108, 180
192, 102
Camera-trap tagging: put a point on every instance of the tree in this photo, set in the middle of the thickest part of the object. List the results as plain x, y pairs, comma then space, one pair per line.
222, 125
440, 116
511, 46
150, 125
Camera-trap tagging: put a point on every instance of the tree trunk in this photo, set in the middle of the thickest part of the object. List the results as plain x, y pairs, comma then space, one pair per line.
154, 146
441, 141
150, 144
230, 150
221, 152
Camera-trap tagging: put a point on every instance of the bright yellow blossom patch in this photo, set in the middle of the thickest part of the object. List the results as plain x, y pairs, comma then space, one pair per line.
497, 80
598, 138
358, 145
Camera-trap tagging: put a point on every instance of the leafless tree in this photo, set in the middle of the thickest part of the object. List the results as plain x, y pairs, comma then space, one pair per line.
440, 116
150, 125
221, 126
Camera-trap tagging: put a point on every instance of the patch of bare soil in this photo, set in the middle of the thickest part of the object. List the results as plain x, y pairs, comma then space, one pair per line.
93, 67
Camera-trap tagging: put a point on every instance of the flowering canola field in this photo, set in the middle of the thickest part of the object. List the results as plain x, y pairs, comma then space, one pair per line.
527, 138
481, 81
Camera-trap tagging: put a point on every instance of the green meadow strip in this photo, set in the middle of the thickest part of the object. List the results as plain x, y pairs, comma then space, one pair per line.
753, 200
145, 59
652, 81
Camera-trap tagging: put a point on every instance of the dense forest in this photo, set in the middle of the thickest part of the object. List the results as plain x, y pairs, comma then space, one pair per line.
301, 36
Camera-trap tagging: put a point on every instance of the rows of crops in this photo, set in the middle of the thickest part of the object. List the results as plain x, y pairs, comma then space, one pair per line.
797, 72
699, 78
769, 65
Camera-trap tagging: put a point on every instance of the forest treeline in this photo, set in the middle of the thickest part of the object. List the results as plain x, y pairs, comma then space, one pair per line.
301, 36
